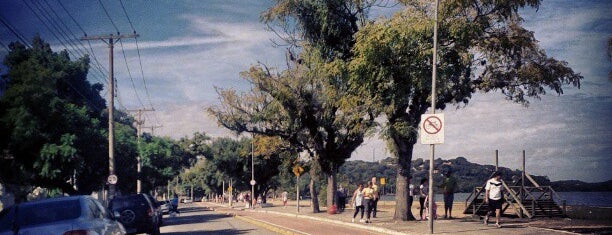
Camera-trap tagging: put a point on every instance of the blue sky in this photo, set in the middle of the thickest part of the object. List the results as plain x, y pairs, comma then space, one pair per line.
189, 47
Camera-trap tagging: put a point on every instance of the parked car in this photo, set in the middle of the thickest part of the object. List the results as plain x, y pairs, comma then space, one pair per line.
157, 206
165, 206
136, 213
64, 215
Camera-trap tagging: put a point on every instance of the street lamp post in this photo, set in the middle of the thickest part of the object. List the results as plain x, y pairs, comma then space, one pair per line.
253, 172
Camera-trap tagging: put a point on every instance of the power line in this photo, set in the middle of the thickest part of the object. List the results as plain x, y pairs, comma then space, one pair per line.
130, 74
65, 35
49, 28
109, 17
144, 81
59, 19
128, 17
15, 32
73, 20
102, 69
142, 74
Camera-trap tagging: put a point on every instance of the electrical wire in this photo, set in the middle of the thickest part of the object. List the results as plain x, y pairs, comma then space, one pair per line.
128, 17
144, 81
49, 28
65, 35
109, 17
130, 74
100, 66
71, 33
15, 32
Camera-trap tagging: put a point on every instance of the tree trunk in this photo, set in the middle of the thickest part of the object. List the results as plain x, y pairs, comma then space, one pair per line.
331, 190
404, 147
314, 196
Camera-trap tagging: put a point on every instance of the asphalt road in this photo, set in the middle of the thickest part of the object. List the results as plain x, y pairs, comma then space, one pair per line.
198, 220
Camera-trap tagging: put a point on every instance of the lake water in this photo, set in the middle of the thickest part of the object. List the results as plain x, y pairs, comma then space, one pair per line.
601, 199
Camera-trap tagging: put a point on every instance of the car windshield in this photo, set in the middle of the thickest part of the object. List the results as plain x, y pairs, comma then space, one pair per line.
40, 213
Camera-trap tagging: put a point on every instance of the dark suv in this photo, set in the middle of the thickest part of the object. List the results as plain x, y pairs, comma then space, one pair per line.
137, 213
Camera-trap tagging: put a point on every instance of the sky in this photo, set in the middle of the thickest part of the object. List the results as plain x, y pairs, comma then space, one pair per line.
189, 47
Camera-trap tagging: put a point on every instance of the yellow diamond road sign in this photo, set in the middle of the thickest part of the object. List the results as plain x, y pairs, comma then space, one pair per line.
431, 128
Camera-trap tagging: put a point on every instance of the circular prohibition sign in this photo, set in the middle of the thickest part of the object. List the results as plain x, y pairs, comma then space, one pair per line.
432, 125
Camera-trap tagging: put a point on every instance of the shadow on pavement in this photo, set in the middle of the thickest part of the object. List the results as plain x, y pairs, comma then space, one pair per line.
193, 209
222, 231
192, 219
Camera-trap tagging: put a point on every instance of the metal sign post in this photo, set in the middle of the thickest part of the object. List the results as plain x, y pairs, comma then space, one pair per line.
431, 193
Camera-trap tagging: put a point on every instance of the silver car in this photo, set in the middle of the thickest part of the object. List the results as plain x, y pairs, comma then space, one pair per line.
65, 215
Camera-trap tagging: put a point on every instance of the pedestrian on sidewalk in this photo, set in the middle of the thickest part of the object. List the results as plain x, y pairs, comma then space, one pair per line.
247, 201
357, 202
376, 197
423, 189
448, 190
174, 205
368, 197
411, 193
285, 198
494, 198
341, 195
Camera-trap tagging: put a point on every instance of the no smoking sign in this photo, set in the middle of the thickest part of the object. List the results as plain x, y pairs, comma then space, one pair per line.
431, 128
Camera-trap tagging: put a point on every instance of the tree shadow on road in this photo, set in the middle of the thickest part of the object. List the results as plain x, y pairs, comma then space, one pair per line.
192, 219
221, 231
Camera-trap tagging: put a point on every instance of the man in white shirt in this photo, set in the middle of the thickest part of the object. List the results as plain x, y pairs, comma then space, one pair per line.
494, 198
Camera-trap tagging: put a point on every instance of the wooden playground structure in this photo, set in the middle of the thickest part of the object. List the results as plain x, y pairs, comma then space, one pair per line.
526, 198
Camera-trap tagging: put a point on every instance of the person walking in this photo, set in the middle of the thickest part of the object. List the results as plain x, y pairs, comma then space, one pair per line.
376, 197
357, 201
423, 190
448, 190
494, 198
368, 197
341, 198
174, 205
285, 196
410, 193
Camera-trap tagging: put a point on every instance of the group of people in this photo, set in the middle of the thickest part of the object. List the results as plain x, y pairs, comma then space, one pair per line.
493, 196
448, 186
365, 200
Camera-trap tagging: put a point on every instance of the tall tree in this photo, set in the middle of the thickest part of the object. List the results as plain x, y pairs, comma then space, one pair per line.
50, 117
483, 47
308, 106
326, 28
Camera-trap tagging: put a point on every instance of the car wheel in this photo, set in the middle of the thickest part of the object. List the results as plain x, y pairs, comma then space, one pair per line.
127, 216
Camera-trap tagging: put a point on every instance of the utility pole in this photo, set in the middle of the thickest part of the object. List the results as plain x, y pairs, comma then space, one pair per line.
153, 128
110, 40
139, 122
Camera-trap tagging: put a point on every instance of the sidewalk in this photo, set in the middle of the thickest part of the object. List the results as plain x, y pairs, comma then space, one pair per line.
384, 222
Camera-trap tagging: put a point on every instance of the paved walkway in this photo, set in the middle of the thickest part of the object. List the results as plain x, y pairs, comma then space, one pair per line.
384, 222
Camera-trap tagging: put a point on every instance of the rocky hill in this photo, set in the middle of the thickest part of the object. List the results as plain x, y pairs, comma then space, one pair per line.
469, 175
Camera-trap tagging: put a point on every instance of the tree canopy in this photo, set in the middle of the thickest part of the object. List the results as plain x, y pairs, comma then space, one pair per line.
483, 47
50, 117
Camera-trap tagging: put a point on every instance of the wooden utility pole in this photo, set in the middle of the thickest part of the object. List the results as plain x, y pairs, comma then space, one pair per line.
139, 123
110, 40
